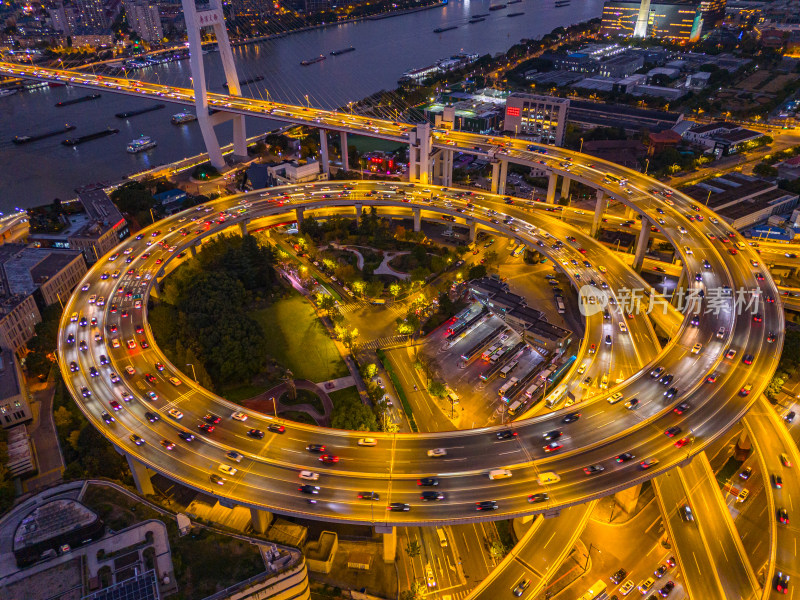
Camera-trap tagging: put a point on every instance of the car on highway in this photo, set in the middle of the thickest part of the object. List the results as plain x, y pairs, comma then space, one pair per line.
666, 379
168, 444
659, 572
682, 408
624, 457
308, 489
115, 405
520, 588
777, 481
309, 475
428, 481
712, 378
228, 470
614, 398
619, 576
368, 496
552, 435
594, 469
239, 416
399, 507
150, 378
487, 505
151, 416
313, 447
186, 436
781, 582
671, 393
276, 428
571, 418
212, 419
683, 441
437, 452
431, 495
506, 434
175, 414
234, 456
539, 497
137, 439
672, 431
745, 474
783, 516
329, 459
648, 462
632, 404
206, 427
552, 447
370, 442
785, 460
686, 513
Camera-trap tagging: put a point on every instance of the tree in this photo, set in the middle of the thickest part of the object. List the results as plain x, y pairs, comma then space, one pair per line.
374, 288
491, 259
437, 388
353, 415
394, 289
765, 170
476, 272
369, 371
413, 549
497, 549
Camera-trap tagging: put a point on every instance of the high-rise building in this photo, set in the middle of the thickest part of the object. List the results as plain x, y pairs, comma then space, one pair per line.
542, 117
713, 12
92, 15
58, 18
145, 19
679, 20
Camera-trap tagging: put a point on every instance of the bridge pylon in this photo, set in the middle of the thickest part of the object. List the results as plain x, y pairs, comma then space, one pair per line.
209, 14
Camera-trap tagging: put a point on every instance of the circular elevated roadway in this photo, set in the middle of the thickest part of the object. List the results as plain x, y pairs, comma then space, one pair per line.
267, 477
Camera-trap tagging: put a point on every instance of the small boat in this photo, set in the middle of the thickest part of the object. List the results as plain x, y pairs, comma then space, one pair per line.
183, 117
141, 111
476, 20
498, 6
441, 29
311, 61
342, 51
141, 144
247, 81
479, 15
515, 14
4, 93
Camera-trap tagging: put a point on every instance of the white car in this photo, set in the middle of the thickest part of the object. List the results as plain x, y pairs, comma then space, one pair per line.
367, 442
239, 416
309, 475
626, 587
130, 370
228, 470
175, 413
437, 452
429, 576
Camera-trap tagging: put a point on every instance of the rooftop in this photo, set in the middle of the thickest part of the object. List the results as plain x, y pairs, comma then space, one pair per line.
9, 383
23, 269
50, 520
99, 207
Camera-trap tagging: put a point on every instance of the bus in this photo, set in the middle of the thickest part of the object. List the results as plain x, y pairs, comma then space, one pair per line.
507, 386
596, 592
560, 305
608, 178
556, 396
561, 370
515, 406
507, 369
518, 250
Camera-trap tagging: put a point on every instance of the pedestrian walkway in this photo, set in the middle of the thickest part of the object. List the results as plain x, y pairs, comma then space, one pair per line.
384, 342
337, 384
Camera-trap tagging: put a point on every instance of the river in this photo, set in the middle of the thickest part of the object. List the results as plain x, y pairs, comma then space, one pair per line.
35, 173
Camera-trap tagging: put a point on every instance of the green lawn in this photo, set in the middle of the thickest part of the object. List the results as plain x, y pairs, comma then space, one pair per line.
299, 417
242, 392
298, 340
349, 392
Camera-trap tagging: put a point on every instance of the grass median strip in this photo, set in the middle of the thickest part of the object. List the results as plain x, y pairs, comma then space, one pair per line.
398, 388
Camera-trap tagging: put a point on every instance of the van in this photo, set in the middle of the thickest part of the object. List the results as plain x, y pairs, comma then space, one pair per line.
548, 477
442, 537
499, 474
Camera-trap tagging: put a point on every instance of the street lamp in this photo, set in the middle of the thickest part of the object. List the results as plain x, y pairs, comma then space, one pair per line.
194, 375
308, 104
274, 406
588, 554
708, 197
646, 165
581, 148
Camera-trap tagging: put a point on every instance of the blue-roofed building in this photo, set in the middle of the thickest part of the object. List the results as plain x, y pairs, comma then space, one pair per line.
171, 201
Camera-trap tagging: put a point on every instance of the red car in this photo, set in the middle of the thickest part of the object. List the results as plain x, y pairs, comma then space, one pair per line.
329, 458
682, 442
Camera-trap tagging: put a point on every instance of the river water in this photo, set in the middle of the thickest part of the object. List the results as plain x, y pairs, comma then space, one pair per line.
35, 173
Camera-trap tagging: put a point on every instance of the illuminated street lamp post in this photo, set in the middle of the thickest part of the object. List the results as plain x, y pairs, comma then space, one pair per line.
194, 375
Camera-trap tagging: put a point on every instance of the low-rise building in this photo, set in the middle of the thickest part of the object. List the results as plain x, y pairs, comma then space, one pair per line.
541, 117
743, 200
291, 171
623, 65
588, 115
18, 318
789, 168
94, 229
14, 407
50, 274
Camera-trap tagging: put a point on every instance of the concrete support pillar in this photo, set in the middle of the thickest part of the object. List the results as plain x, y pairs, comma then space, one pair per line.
599, 209
495, 177
299, 215
417, 219
473, 231
678, 298
343, 145
419, 154
627, 499
501, 182
358, 214
389, 542
193, 250
641, 245
260, 520
565, 186
239, 138
629, 212
141, 476
242, 228
324, 160
551, 188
